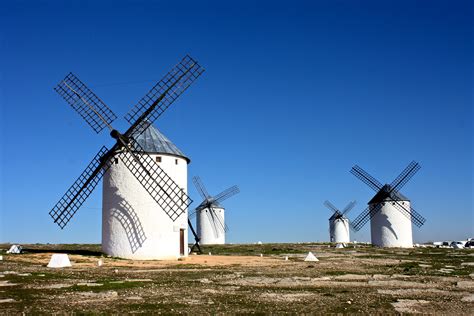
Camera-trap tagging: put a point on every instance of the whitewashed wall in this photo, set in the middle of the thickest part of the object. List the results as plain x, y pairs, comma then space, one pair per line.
339, 231
133, 224
205, 231
391, 228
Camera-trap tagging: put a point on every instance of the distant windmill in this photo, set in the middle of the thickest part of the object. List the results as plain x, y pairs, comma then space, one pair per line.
339, 223
389, 211
211, 227
145, 205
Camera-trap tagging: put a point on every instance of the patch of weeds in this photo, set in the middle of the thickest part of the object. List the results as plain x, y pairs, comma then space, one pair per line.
109, 285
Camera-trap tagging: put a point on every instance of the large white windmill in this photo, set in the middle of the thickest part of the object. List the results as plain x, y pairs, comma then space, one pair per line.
210, 214
339, 229
145, 201
132, 226
390, 212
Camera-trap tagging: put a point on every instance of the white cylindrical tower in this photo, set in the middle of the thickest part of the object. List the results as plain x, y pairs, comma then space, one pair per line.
210, 227
339, 230
389, 227
133, 225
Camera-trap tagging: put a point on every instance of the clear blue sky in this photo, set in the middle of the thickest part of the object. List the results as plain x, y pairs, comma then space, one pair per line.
294, 95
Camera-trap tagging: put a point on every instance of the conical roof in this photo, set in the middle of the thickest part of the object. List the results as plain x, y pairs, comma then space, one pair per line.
387, 194
208, 203
154, 142
337, 215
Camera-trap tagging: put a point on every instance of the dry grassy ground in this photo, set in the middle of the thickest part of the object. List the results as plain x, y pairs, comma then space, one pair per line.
236, 279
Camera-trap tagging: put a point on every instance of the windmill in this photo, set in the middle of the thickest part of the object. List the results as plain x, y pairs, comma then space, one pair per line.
390, 212
211, 227
127, 164
339, 223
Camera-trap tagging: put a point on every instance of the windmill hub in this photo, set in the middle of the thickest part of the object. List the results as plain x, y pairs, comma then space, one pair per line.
121, 139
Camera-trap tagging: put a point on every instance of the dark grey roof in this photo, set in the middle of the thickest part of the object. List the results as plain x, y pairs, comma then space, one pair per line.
154, 142
208, 204
336, 215
387, 194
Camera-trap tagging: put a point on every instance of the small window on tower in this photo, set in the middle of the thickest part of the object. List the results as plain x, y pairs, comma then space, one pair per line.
176, 161
158, 159
116, 161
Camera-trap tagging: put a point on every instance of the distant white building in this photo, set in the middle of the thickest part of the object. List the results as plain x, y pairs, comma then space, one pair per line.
210, 225
339, 231
133, 224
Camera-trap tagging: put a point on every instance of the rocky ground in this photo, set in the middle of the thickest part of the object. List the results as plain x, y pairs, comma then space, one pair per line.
236, 278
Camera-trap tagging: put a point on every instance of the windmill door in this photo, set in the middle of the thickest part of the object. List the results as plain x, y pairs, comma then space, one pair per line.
181, 242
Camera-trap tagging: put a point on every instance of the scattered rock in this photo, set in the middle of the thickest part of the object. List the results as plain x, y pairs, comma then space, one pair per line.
286, 297
7, 300
6, 283
205, 281
352, 277
467, 264
100, 263
107, 294
55, 286
135, 298
465, 284
425, 265
398, 284
469, 298
89, 284
407, 306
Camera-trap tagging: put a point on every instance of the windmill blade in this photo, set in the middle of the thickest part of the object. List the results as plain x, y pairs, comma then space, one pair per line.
201, 188
365, 216
77, 194
220, 221
411, 214
212, 222
349, 207
330, 206
196, 238
224, 195
92, 109
405, 176
362, 175
163, 94
169, 196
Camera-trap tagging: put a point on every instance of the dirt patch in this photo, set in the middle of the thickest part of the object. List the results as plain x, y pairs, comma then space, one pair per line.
409, 306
